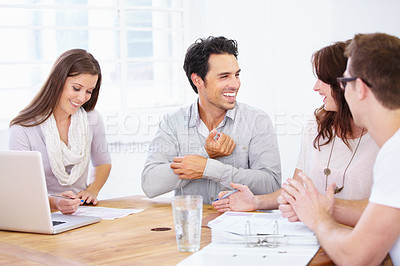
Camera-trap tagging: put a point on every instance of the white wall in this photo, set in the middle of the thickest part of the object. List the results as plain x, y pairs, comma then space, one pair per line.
276, 40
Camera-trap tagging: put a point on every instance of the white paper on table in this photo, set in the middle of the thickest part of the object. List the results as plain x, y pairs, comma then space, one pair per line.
236, 254
261, 223
104, 212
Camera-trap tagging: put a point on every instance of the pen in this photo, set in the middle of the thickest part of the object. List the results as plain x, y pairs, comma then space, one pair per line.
228, 194
59, 196
271, 235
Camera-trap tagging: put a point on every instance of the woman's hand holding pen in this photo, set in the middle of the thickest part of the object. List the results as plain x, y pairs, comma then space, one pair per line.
243, 200
67, 202
88, 196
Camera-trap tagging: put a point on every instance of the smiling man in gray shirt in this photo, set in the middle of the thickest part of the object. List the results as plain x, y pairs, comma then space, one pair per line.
202, 148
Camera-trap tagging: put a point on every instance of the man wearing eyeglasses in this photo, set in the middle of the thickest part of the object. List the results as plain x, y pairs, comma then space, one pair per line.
372, 90
200, 149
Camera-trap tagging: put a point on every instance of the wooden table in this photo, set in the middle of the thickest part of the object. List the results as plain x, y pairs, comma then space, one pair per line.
124, 241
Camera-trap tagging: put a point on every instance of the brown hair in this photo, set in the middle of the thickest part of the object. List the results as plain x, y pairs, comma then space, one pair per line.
71, 63
375, 58
330, 63
197, 55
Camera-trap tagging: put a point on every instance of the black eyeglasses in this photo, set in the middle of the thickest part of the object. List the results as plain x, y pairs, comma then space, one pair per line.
343, 81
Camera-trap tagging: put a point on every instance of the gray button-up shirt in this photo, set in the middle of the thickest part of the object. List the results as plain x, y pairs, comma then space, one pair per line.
254, 162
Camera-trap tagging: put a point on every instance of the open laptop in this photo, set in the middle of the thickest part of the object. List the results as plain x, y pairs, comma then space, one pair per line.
24, 203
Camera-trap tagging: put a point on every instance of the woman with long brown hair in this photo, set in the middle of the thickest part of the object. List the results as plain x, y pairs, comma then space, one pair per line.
333, 149
63, 126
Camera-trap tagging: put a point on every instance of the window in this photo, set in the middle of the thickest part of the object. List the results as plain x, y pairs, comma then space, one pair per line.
138, 43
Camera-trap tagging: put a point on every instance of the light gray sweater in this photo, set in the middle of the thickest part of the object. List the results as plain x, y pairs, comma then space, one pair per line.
32, 138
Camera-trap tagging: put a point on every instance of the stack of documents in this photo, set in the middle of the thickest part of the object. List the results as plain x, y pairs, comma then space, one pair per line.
104, 213
240, 255
248, 238
239, 227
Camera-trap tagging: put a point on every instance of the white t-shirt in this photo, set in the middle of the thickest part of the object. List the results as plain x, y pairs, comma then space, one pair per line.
386, 188
358, 179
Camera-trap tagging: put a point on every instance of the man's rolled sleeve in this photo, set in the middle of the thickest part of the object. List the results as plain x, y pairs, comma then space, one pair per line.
214, 170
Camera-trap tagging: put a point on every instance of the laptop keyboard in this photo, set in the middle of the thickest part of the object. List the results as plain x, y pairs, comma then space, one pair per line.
57, 223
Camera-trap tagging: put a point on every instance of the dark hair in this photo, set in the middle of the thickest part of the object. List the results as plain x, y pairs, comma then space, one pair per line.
71, 63
330, 63
197, 55
375, 58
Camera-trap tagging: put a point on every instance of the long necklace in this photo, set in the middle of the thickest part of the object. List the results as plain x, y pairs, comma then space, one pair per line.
327, 171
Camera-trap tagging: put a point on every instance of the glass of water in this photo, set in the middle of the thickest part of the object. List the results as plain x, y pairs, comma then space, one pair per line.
188, 213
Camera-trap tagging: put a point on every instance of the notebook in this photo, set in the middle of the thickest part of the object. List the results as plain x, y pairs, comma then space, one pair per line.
254, 238
253, 227
24, 203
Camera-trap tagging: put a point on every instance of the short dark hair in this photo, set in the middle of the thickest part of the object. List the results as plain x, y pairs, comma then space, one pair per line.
197, 55
375, 58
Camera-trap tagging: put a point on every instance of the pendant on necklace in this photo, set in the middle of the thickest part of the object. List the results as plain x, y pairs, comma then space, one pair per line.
327, 171
337, 190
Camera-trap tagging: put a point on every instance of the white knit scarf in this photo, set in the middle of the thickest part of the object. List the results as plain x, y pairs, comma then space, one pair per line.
76, 154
